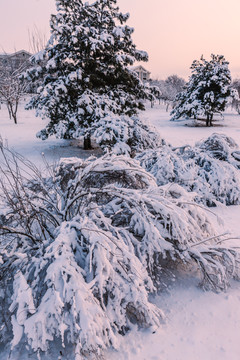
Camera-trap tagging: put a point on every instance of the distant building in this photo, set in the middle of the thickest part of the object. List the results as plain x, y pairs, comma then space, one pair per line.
143, 74
15, 61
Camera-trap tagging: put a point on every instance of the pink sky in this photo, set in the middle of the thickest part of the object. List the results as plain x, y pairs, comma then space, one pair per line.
173, 32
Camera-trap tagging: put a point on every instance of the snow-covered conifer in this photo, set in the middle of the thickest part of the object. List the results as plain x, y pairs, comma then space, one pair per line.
84, 69
207, 92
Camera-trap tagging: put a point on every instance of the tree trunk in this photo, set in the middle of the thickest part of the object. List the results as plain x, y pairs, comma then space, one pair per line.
211, 117
9, 111
14, 118
209, 120
13, 113
87, 145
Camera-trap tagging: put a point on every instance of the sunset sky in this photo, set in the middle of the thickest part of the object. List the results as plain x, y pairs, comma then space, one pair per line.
173, 32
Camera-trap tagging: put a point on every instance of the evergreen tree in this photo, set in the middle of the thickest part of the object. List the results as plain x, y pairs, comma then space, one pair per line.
84, 69
208, 90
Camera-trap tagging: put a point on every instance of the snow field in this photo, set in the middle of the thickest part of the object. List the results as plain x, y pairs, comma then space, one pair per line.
199, 326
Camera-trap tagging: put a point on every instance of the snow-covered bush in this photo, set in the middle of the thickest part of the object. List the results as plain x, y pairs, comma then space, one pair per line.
219, 146
83, 248
125, 135
208, 169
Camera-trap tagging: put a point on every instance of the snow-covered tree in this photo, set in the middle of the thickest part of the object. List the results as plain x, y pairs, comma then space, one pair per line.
85, 69
12, 88
82, 249
236, 102
207, 92
175, 82
169, 88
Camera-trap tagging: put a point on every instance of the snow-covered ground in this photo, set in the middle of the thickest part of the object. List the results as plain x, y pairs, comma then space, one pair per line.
182, 132
22, 138
199, 325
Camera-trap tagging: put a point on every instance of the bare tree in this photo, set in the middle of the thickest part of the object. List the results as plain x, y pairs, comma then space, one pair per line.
12, 87
169, 88
37, 40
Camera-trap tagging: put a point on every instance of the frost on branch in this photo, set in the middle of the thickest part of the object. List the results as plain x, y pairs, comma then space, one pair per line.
208, 169
87, 245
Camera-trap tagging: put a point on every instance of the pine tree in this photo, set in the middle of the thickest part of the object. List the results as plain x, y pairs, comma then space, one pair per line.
84, 69
208, 90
